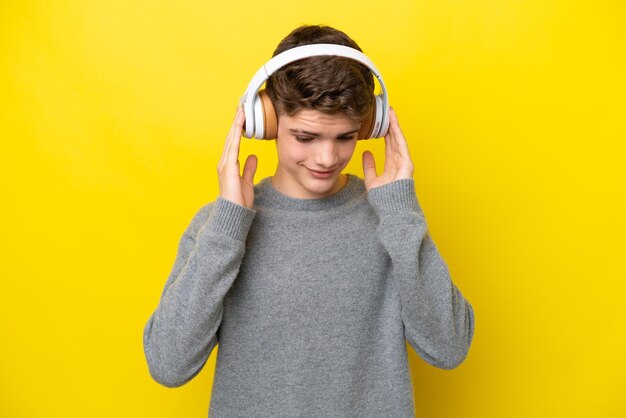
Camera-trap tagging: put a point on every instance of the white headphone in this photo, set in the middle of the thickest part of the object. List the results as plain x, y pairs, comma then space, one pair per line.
261, 119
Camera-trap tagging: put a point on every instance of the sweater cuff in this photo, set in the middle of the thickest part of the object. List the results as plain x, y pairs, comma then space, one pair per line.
230, 219
395, 197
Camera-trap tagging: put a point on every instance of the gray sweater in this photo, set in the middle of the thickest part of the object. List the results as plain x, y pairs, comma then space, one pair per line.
311, 302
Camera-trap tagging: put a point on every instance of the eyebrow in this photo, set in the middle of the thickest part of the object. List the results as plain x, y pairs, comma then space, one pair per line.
316, 135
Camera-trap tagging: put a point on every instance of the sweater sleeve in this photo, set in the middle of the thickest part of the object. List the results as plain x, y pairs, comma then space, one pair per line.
438, 321
182, 332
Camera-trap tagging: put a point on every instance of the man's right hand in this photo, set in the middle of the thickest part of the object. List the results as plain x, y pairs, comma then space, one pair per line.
233, 186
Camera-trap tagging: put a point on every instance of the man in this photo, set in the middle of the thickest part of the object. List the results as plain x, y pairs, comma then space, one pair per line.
312, 280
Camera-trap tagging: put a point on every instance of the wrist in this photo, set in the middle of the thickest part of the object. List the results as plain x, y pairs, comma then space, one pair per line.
394, 197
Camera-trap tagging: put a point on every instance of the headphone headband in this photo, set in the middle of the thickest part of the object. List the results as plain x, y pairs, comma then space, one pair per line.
306, 51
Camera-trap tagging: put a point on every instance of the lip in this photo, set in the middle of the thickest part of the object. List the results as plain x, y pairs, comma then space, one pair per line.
322, 174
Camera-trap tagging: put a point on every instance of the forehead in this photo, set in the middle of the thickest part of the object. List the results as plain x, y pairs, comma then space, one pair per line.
308, 119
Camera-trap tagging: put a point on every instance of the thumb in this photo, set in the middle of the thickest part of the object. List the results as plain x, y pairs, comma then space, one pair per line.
249, 169
369, 166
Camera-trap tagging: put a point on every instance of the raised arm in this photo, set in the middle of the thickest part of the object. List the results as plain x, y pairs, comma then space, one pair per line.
438, 321
181, 333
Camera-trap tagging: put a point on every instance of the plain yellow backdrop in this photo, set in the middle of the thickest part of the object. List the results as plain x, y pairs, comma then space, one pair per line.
112, 119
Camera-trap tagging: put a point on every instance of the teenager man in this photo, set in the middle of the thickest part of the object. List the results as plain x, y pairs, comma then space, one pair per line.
311, 280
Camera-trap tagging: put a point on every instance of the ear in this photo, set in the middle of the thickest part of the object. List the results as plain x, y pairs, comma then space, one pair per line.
270, 119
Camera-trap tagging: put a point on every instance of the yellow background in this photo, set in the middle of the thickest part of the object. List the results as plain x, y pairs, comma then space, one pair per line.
112, 119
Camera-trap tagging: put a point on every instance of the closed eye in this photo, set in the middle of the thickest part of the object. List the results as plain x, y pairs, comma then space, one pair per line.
303, 139
307, 139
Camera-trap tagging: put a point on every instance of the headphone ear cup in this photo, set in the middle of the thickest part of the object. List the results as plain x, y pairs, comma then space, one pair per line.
378, 119
371, 127
248, 123
270, 118
367, 123
384, 119
259, 118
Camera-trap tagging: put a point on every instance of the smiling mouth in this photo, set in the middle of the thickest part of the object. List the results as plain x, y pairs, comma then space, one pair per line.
321, 174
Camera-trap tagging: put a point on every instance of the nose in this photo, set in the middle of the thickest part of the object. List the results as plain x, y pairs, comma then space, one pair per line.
326, 154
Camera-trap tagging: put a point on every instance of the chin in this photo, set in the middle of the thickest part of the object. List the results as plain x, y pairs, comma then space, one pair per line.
321, 186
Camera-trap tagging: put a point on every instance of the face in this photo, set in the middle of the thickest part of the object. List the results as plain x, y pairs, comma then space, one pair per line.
313, 148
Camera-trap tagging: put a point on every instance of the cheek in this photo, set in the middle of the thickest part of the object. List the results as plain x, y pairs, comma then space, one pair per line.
291, 151
347, 149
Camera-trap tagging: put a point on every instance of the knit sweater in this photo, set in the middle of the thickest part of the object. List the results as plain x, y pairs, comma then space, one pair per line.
311, 302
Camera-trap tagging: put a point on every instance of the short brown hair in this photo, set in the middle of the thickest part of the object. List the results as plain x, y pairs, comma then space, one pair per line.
329, 84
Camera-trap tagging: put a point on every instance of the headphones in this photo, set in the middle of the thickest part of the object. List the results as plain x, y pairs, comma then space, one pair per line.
261, 118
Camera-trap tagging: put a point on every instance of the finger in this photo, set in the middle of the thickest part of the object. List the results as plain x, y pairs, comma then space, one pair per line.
249, 169
369, 166
388, 140
390, 151
228, 140
234, 124
401, 145
405, 163
392, 132
232, 151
